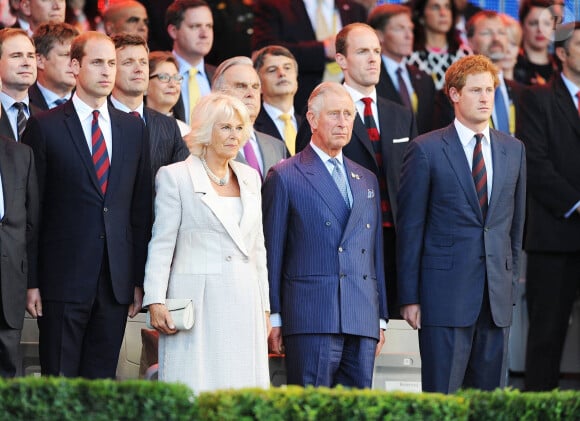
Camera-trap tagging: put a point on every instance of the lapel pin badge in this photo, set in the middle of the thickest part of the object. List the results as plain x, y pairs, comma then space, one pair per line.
370, 193
355, 176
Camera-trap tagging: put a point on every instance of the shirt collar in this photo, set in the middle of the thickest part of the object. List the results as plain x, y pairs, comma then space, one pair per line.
49, 96
357, 96
184, 66
84, 110
392, 66
324, 156
466, 134
572, 88
275, 112
122, 107
8, 101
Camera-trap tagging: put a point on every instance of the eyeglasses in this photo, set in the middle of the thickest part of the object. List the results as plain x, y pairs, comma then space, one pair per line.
166, 77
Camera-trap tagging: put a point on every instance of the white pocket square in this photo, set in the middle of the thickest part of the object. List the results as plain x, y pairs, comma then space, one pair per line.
401, 140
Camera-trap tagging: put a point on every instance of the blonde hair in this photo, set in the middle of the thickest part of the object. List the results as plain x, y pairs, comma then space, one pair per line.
208, 111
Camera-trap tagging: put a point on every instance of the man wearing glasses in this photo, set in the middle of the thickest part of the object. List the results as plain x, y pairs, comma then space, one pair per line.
165, 142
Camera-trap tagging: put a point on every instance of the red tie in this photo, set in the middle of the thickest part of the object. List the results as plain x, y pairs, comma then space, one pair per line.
100, 155
135, 114
479, 174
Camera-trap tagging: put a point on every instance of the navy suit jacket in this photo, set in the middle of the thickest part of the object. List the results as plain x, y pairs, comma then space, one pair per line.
325, 262
18, 228
36, 97
445, 249
286, 23
424, 89
78, 225
397, 128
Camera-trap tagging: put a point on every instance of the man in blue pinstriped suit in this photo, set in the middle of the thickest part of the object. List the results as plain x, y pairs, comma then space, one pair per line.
325, 257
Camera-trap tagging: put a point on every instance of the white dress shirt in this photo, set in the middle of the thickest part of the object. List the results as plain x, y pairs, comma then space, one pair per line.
85, 113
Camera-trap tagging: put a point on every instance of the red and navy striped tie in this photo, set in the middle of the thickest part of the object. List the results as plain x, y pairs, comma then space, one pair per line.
479, 174
100, 155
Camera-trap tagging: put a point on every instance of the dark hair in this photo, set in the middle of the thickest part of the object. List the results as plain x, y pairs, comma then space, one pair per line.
526, 6
77, 48
341, 38
563, 35
176, 11
48, 34
271, 50
472, 22
158, 57
7, 33
381, 15
124, 40
418, 8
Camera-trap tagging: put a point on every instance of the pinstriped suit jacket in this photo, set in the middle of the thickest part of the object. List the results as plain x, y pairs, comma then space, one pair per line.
325, 262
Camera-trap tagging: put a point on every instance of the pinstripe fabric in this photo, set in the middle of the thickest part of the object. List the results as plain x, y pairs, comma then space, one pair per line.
325, 265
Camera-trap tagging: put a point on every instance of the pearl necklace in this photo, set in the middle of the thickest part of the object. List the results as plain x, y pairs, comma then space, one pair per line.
213, 177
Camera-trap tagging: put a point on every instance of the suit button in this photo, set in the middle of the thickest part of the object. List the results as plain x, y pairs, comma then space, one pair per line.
342, 276
486, 229
365, 276
102, 236
246, 260
363, 251
228, 258
340, 249
368, 226
327, 223
105, 210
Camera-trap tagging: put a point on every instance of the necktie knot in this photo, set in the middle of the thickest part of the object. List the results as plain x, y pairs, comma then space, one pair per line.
20, 106
95, 115
478, 138
367, 101
60, 101
285, 117
135, 114
192, 73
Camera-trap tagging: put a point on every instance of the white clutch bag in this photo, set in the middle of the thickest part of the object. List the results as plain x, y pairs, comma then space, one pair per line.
182, 313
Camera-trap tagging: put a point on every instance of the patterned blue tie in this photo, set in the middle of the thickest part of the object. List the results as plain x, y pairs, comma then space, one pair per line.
501, 114
340, 180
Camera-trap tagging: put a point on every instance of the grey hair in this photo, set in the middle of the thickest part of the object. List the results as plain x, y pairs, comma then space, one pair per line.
217, 82
316, 99
208, 111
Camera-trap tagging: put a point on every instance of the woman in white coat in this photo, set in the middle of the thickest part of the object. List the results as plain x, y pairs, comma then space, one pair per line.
208, 245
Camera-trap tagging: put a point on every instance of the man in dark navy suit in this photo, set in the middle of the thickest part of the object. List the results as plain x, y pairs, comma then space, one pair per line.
95, 216
322, 226
165, 141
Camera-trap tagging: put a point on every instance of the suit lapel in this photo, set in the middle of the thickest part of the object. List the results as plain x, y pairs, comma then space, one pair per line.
7, 172
250, 200
117, 133
500, 165
5, 127
318, 176
77, 137
454, 152
202, 184
360, 196
565, 103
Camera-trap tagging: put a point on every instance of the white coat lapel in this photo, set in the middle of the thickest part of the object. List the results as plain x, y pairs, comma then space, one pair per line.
202, 184
251, 198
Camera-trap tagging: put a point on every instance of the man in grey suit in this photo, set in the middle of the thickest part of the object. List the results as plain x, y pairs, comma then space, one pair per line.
322, 226
18, 228
236, 77
165, 142
459, 236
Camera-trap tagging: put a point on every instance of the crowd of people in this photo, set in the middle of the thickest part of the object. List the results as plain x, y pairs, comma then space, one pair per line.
303, 176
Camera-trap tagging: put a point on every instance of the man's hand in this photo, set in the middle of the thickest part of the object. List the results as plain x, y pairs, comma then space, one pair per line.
412, 314
137, 304
161, 319
380, 343
275, 345
33, 302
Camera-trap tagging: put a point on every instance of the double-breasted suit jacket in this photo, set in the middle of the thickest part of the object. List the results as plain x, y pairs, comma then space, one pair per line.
446, 250
199, 251
325, 262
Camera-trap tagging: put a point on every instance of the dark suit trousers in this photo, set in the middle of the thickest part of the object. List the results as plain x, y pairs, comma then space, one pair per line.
552, 285
390, 256
10, 358
464, 357
329, 360
83, 339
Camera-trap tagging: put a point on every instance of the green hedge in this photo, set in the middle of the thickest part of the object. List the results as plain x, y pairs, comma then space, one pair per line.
59, 399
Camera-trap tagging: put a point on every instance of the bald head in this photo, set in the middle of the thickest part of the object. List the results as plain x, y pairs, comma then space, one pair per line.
126, 16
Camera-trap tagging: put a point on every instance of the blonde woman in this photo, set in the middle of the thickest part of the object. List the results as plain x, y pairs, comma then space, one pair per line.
208, 245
